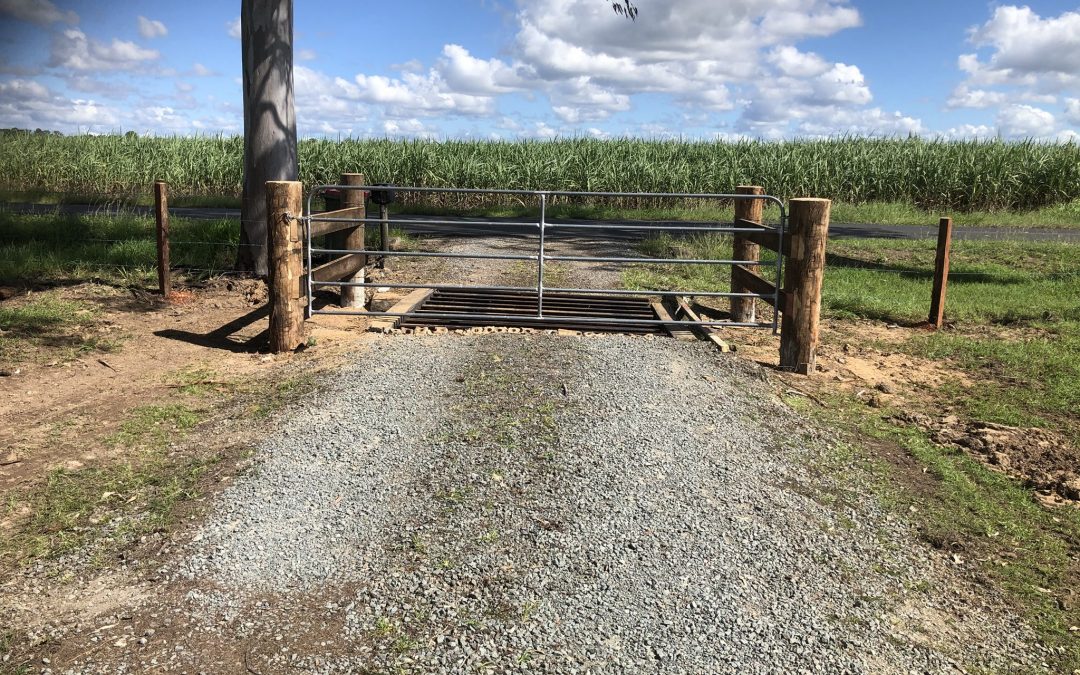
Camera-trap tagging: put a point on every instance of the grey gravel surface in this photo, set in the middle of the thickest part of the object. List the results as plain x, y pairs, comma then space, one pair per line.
531, 503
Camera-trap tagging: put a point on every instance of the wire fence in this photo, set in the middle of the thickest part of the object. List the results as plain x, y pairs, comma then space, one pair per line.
107, 233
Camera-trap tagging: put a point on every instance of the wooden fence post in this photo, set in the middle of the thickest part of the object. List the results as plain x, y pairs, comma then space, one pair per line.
161, 216
353, 239
744, 310
804, 269
283, 207
941, 272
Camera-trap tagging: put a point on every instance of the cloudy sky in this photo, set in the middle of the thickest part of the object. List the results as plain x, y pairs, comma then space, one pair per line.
542, 68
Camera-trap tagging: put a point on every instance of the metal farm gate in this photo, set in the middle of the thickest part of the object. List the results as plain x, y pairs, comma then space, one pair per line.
537, 305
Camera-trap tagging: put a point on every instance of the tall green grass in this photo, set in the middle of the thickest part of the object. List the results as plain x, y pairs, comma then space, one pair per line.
63, 247
959, 175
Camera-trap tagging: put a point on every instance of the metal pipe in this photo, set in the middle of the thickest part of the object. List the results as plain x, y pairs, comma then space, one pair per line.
546, 319
557, 193
425, 254
658, 228
419, 220
434, 287
540, 260
692, 294
384, 232
588, 291
665, 261
310, 291
779, 272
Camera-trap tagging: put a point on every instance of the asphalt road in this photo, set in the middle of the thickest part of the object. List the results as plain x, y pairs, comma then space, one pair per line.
461, 226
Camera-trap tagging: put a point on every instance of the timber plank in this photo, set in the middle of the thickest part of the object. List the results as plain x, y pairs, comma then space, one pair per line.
767, 237
338, 268
319, 228
705, 331
672, 328
403, 306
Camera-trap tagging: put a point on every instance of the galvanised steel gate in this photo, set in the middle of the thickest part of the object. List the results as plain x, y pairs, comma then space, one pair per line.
542, 226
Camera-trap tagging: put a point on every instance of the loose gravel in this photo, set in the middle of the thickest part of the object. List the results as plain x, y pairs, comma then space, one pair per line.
523, 503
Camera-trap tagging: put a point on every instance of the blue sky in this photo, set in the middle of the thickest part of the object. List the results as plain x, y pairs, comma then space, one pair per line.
543, 68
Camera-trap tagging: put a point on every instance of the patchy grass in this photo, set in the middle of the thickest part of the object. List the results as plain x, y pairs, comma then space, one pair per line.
47, 320
263, 400
100, 510
1014, 313
198, 381
1025, 378
105, 508
153, 426
983, 517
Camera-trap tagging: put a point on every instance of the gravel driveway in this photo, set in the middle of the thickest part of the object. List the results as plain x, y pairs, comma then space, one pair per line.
532, 503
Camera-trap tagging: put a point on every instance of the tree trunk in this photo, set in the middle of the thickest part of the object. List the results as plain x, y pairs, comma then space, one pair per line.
266, 28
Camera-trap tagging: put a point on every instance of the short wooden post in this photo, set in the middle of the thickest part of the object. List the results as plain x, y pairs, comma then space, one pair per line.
941, 272
804, 270
353, 239
283, 208
744, 310
161, 216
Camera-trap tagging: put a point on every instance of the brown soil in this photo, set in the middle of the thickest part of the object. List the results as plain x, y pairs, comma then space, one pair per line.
59, 412
1041, 459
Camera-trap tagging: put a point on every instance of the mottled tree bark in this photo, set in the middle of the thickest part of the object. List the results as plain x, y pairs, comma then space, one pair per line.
266, 28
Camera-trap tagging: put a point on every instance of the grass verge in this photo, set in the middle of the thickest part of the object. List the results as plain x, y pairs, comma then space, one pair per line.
987, 521
103, 509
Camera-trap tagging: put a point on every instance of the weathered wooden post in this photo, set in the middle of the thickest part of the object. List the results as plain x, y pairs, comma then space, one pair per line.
808, 229
161, 216
353, 239
744, 310
941, 272
283, 209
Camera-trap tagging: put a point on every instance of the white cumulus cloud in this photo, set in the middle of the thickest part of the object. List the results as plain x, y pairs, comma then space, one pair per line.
151, 28
705, 56
1025, 121
963, 97
74, 50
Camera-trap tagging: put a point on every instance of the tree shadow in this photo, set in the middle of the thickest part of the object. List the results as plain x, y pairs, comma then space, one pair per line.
225, 337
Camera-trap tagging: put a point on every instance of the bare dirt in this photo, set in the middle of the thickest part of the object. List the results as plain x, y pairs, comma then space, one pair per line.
59, 409
1041, 459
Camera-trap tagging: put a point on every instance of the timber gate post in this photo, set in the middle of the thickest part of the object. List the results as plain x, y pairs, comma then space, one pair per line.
352, 239
284, 207
804, 271
744, 310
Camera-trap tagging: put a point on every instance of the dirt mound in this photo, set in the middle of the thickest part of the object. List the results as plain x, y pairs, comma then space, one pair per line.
1044, 460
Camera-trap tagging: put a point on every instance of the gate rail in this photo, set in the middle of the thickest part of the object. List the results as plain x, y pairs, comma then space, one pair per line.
316, 224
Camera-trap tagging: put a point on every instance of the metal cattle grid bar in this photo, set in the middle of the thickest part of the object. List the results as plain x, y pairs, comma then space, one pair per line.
542, 225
